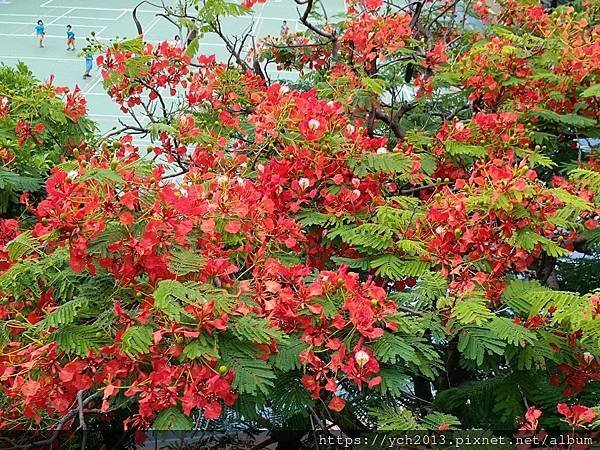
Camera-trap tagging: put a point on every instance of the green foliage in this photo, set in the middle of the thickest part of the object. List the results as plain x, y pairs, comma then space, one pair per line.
592, 91
394, 419
572, 120
251, 375
256, 329
202, 347
391, 347
460, 149
24, 244
33, 103
136, 339
528, 239
472, 311
512, 333
183, 262
395, 268
287, 358
588, 178
78, 339
477, 342
172, 419
390, 162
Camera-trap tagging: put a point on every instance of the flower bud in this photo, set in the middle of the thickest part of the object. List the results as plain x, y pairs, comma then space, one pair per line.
314, 124
304, 183
588, 358
361, 357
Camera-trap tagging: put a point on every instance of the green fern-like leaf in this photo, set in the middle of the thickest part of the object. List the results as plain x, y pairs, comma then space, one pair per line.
472, 311
23, 244
512, 332
592, 91
396, 268
571, 120
183, 262
394, 419
391, 347
11, 181
77, 339
394, 382
256, 329
527, 239
571, 200
63, 314
287, 358
475, 342
172, 419
166, 295
289, 397
353, 263
136, 340
435, 420
461, 149
102, 176
202, 347
252, 376
387, 162
515, 295
587, 178
311, 218
370, 235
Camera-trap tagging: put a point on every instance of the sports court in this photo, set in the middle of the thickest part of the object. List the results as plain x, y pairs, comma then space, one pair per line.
109, 19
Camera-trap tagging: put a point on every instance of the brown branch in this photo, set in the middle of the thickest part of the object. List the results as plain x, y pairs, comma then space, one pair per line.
410, 311
61, 423
421, 188
310, 26
392, 122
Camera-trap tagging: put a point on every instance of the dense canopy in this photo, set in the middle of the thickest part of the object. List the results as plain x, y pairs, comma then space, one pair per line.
401, 236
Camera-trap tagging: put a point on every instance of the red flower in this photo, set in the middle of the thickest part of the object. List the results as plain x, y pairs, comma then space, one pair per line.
576, 415
337, 403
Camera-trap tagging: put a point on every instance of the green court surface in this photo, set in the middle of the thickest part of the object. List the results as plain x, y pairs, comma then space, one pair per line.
109, 19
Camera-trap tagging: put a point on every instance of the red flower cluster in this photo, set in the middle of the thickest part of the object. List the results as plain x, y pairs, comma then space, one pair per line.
371, 38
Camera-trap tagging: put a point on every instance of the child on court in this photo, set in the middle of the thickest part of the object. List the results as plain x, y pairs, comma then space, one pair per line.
284, 28
40, 32
89, 62
70, 38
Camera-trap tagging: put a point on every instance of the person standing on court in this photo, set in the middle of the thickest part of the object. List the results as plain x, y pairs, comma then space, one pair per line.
70, 39
176, 42
89, 62
284, 28
40, 32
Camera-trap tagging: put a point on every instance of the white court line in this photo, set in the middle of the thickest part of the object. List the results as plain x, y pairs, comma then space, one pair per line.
41, 58
49, 16
92, 8
93, 85
280, 19
258, 22
60, 17
47, 36
54, 24
152, 25
101, 31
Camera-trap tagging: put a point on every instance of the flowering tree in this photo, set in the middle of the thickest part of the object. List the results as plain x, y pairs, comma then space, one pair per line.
375, 245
